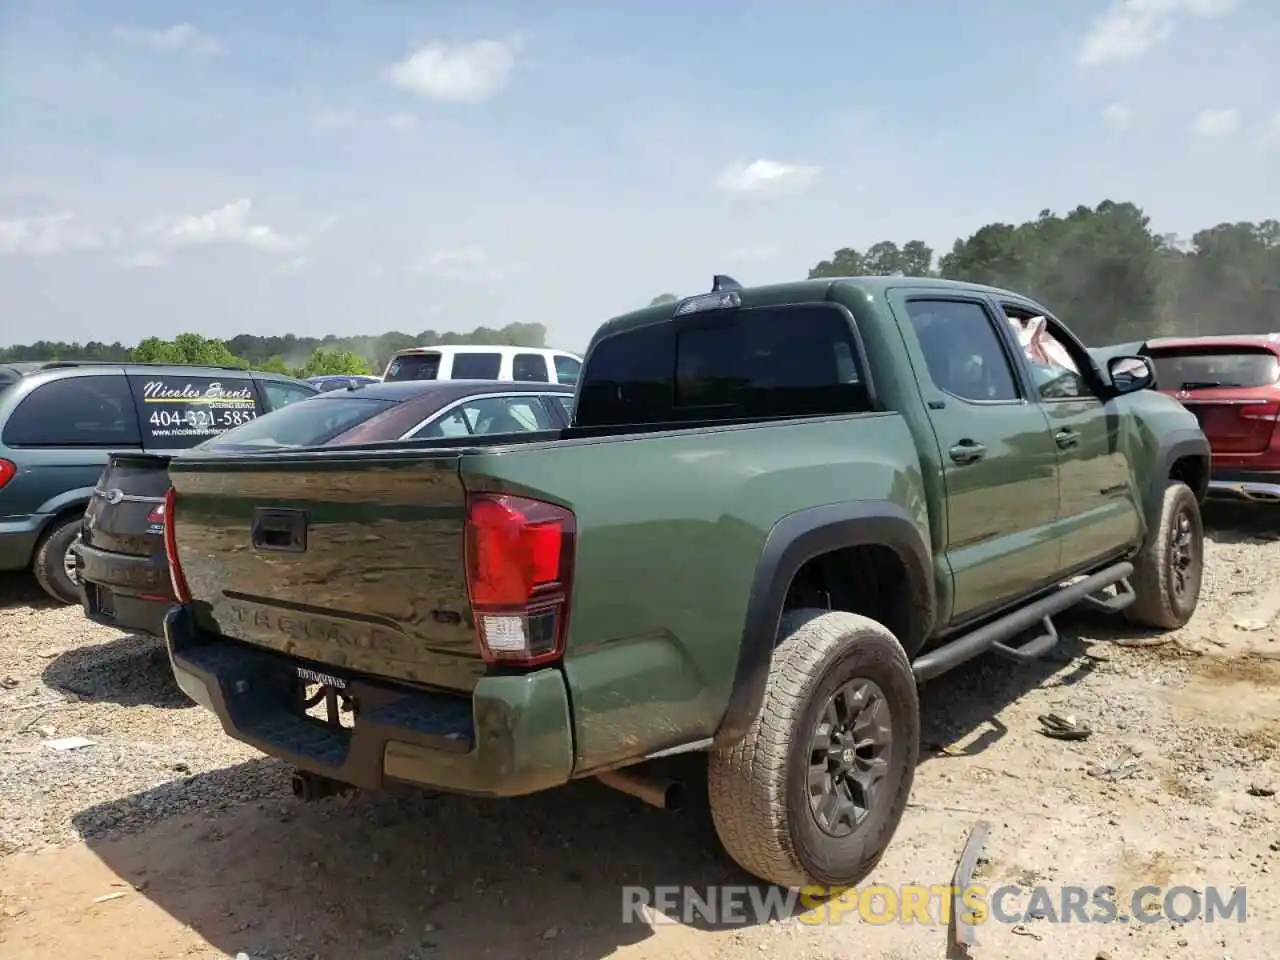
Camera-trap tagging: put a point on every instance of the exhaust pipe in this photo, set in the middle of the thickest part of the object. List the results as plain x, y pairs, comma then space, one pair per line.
310, 787
655, 791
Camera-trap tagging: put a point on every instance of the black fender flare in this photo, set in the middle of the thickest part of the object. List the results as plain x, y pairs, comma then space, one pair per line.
793, 541
1174, 446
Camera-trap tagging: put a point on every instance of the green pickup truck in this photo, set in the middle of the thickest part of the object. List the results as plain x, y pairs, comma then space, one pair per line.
777, 511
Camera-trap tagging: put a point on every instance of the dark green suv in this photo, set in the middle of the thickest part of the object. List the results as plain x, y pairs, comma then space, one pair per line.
61, 420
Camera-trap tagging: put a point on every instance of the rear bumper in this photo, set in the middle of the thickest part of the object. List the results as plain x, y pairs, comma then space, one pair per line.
512, 736
123, 591
1261, 486
18, 540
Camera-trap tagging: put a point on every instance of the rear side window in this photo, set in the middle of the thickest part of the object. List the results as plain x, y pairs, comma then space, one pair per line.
1201, 368
414, 366
476, 366
762, 362
84, 411
963, 350
529, 367
302, 424
179, 412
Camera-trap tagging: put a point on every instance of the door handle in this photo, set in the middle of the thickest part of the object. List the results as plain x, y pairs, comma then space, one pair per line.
1066, 438
968, 451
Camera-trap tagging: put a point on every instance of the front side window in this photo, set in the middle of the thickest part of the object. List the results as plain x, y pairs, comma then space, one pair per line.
962, 350
567, 369
1055, 371
489, 416
80, 411
476, 366
281, 394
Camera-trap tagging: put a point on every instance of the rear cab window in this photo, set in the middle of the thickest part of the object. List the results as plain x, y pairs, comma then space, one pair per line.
469, 365
413, 366
75, 411
302, 424
1206, 367
762, 362
177, 411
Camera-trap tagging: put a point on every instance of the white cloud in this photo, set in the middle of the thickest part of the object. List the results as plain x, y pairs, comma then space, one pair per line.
459, 73
1216, 124
52, 234
471, 262
402, 121
226, 225
182, 36
767, 177
1118, 117
753, 254
1132, 27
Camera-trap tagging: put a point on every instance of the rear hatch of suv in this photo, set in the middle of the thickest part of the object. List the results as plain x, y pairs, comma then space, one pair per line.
1234, 391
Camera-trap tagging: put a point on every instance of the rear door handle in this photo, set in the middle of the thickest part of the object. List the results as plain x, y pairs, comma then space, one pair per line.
1066, 438
968, 451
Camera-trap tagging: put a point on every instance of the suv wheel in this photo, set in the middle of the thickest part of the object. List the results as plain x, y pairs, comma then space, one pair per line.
1168, 571
813, 793
54, 565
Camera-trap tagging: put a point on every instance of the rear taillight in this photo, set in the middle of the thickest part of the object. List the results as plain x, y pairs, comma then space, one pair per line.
1270, 410
157, 514
8, 470
519, 559
176, 576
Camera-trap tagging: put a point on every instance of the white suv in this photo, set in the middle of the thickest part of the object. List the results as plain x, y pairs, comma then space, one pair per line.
480, 362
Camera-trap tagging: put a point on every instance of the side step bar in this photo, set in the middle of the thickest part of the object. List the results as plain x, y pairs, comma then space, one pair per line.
992, 636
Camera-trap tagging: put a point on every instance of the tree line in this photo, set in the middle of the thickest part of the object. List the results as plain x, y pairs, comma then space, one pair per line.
289, 354
1102, 269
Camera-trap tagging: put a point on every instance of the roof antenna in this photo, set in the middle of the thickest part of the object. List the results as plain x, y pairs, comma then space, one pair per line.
721, 282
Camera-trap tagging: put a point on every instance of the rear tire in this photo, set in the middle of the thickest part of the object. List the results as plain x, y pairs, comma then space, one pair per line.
50, 564
771, 792
1169, 570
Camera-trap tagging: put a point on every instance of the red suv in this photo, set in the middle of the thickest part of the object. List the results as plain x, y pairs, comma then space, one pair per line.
1232, 385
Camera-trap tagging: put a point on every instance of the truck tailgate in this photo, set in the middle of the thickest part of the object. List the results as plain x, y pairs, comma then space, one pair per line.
351, 561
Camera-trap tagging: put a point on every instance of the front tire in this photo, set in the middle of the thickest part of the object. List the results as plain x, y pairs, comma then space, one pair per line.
52, 567
1168, 572
813, 793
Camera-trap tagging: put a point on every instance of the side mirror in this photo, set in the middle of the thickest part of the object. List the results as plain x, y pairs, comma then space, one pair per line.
1129, 374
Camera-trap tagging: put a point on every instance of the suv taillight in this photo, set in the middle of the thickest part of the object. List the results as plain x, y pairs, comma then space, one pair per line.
519, 561
1261, 411
176, 576
8, 470
157, 513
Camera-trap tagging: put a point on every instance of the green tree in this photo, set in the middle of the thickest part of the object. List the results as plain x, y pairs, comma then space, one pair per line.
333, 361
883, 259
187, 348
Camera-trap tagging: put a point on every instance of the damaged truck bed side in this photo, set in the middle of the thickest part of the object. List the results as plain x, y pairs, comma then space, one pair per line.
778, 510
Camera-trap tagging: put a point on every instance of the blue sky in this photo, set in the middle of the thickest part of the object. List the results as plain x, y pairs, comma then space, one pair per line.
321, 166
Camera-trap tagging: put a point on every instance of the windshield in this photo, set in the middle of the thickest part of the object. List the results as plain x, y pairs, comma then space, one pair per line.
414, 366
1192, 368
314, 421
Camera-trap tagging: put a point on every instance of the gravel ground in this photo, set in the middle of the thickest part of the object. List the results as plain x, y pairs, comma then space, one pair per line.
1172, 787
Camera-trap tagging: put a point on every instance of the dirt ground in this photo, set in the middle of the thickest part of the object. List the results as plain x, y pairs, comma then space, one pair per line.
162, 838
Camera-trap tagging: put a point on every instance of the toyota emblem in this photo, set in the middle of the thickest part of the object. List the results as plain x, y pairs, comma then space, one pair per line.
114, 496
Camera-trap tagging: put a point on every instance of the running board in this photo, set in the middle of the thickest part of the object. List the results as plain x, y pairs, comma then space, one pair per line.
994, 635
